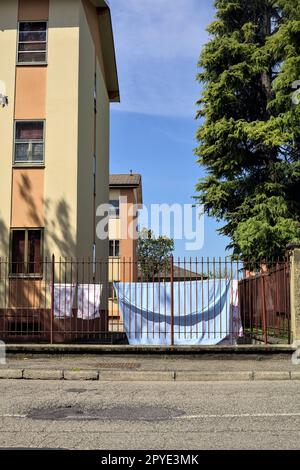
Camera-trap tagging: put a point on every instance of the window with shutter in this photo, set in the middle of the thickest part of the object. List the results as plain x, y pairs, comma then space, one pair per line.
26, 252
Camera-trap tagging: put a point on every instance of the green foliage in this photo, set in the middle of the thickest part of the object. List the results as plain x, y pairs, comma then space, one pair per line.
154, 254
249, 137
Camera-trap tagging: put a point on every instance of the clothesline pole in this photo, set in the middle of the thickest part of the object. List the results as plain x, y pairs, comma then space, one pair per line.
172, 299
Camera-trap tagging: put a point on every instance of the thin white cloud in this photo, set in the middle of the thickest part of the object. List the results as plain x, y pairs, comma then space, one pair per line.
158, 43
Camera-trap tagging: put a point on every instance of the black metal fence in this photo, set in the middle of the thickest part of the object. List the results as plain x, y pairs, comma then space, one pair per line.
184, 301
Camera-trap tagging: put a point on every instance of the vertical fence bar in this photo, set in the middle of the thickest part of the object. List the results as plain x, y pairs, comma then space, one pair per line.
184, 295
191, 301
42, 323
287, 297
179, 300
172, 299
52, 298
6, 291
265, 333
197, 299
214, 295
277, 277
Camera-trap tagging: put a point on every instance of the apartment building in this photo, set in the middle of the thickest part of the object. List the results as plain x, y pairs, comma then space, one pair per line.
126, 198
59, 72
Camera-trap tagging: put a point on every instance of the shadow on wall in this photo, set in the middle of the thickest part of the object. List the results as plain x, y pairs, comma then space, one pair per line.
25, 303
4, 239
28, 293
58, 231
58, 236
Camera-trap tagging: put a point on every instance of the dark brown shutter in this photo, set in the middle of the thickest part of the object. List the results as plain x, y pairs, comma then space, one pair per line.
34, 251
18, 252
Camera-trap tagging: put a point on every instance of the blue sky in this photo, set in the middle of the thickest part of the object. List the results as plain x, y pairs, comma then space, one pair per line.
158, 43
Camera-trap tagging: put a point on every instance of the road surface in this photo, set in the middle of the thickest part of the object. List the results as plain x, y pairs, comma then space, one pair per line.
151, 415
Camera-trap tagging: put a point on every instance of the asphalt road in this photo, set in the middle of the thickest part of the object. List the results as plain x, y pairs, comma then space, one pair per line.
152, 415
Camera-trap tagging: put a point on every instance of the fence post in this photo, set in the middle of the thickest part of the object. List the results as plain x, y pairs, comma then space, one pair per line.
52, 297
265, 324
172, 299
294, 250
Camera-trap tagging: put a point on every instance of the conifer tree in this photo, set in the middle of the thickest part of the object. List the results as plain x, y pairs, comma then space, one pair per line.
249, 138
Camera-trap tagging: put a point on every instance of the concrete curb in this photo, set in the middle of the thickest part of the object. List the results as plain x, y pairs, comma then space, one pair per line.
295, 375
11, 373
273, 375
108, 375
40, 374
198, 376
136, 376
166, 350
81, 375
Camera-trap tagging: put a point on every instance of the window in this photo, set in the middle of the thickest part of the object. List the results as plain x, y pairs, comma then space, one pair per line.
29, 142
26, 252
114, 209
114, 248
32, 42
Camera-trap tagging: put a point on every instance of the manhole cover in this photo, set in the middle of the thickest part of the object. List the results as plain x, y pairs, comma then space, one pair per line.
115, 413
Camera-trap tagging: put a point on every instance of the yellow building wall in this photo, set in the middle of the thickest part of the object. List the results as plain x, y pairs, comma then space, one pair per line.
8, 41
93, 22
102, 153
61, 130
93, 136
85, 186
114, 229
102, 157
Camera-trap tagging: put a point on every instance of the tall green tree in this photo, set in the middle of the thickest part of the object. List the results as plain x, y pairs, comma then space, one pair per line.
249, 137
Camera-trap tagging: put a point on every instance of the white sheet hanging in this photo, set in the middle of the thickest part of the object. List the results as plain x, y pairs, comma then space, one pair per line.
82, 300
205, 312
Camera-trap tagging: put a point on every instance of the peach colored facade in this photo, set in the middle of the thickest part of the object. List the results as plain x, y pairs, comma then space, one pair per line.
27, 211
33, 10
30, 97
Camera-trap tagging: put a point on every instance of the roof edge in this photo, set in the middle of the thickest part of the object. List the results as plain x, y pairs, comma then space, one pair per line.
108, 49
